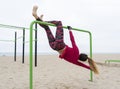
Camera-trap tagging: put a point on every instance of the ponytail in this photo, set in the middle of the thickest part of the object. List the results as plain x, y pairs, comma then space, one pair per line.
93, 66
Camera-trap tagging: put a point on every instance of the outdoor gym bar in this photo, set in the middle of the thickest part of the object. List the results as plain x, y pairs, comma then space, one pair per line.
31, 47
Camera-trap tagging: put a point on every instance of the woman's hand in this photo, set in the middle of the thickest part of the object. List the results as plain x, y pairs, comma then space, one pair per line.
69, 27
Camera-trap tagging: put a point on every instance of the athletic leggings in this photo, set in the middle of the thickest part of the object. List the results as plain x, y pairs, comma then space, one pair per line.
57, 42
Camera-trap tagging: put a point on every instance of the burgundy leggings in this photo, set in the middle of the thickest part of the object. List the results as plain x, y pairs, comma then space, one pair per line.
57, 42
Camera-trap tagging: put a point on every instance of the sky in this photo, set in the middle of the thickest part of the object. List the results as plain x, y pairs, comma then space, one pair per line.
100, 17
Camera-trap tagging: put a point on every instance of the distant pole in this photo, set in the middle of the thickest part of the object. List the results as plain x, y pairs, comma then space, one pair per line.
15, 46
35, 44
23, 55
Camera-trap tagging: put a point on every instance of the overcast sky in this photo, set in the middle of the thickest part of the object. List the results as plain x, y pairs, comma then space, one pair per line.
101, 17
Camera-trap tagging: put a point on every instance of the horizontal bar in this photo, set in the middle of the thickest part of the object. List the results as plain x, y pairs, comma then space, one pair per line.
112, 61
20, 37
9, 26
15, 27
29, 41
50, 24
8, 40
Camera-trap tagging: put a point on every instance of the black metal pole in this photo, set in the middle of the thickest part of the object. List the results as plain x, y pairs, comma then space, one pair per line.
15, 46
23, 55
36, 45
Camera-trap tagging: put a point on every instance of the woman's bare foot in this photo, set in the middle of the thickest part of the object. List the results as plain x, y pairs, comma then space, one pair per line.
41, 17
34, 11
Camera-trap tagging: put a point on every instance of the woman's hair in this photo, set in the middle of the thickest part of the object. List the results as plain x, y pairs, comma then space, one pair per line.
93, 67
83, 57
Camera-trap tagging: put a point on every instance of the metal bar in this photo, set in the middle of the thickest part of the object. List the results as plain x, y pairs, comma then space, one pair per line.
111, 61
91, 73
20, 36
15, 48
31, 47
8, 40
31, 55
10, 26
23, 54
15, 27
36, 45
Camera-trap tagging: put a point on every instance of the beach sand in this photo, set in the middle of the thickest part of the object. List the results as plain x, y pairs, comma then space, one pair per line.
54, 73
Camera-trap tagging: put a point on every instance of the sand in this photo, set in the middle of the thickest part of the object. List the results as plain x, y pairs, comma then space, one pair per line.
53, 73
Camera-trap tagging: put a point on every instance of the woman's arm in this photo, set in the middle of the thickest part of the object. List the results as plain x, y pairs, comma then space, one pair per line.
72, 38
82, 65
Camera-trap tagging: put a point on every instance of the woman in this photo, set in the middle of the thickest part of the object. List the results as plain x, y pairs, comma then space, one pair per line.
70, 54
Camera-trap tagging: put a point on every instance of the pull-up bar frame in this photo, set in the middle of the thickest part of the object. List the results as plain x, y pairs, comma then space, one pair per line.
23, 37
108, 61
31, 47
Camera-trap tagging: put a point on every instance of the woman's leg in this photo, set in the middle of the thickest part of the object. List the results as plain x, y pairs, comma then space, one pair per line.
59, 30
34, 13
59, 38
50, 36
55, 43
47, 29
